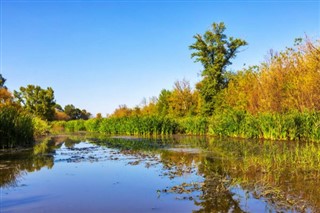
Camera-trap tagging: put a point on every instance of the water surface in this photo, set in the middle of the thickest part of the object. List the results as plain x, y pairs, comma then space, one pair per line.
95, 173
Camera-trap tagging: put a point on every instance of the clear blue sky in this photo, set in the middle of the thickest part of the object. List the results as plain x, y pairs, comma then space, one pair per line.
100, 54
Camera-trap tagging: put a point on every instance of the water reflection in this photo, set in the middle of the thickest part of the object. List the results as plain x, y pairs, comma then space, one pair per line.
283, 176
15, 163
227, 175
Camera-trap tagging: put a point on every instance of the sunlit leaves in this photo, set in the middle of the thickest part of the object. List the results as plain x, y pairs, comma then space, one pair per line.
182, 101
289, 80
37, 101
214, 50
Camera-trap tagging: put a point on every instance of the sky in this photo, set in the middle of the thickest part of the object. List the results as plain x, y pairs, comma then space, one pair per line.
98, 55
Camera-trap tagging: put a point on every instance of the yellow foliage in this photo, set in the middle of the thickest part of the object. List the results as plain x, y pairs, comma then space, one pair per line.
183, 101
60, 116
150, 109
121, 111
5, 96
288, 81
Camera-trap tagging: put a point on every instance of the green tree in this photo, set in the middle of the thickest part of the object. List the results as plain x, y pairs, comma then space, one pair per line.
76, 113
58, 107
85, 115
214, 50
163, 102
72, 111
37, 101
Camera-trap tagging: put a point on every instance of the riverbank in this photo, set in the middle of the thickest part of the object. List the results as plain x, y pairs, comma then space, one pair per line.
294, 126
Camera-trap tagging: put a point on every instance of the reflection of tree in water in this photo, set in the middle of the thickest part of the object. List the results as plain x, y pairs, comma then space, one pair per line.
286, 176
215, 189
216, 195
14, 164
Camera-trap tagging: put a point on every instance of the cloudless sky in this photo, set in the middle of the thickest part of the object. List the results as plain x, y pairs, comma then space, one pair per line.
100, 54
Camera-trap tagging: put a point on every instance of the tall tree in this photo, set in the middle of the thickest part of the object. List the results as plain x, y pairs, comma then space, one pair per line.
37, 101
214, 50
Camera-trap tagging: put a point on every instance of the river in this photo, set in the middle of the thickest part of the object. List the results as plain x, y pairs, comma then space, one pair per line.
98, 173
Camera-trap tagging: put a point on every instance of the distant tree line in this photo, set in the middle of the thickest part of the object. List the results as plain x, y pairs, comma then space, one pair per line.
41, 102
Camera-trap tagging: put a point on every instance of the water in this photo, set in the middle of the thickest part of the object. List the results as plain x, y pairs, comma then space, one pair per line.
94, 173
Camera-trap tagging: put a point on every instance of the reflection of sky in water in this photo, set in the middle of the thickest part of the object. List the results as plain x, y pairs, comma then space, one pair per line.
86, 177
99, 186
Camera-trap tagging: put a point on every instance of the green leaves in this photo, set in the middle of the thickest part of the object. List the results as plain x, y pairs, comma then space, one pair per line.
214, 50
37, 101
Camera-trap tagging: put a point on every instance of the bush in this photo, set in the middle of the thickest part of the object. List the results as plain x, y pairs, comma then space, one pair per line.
75, 126
41, 127
58, 126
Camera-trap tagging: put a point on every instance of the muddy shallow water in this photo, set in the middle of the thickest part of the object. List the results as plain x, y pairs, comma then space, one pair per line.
95, 173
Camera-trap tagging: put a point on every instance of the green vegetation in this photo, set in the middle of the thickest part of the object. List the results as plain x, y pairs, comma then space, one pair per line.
214, 50
25, 115
41, 127
16, 128
37, 101
278, 99
193, 125
74, 113
137, 125
287, 126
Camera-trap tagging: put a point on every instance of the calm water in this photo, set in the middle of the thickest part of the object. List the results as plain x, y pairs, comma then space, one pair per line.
94, 173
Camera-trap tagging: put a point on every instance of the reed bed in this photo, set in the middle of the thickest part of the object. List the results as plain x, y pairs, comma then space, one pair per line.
193, 125
299, 126
135, 125
16, 128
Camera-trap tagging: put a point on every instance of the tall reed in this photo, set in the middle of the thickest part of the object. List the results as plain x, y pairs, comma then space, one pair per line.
16, 128
274, 126
134, 125
195, 125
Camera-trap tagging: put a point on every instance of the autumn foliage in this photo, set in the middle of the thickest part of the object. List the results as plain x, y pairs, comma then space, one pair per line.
278, 99
287, 81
